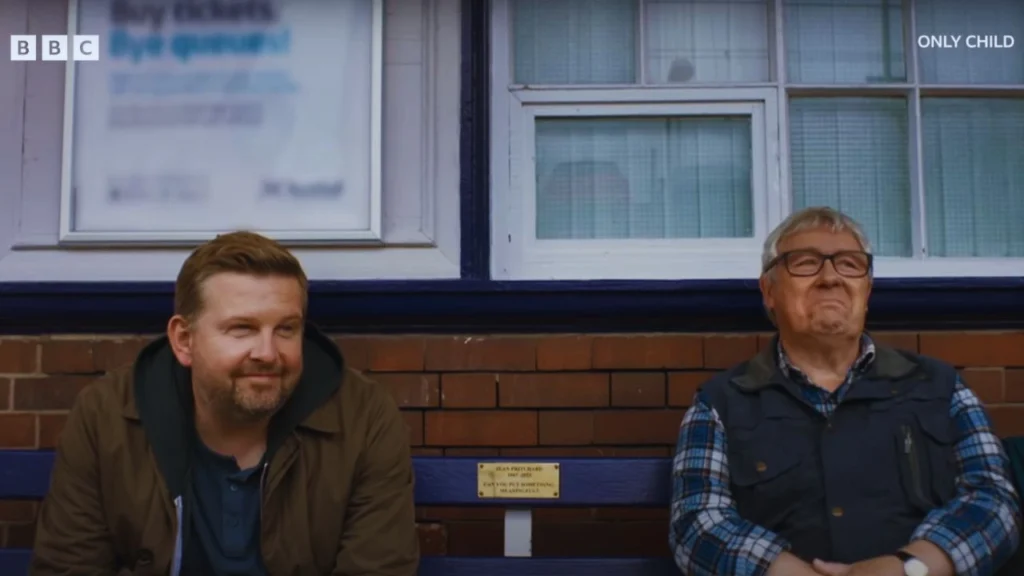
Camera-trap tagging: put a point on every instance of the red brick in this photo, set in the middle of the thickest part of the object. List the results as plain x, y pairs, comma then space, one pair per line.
50, 427
468, 390
396, 354
975, 348
727, 350
48, 392
1007, 420
17, 430
355, 350
114, 353
553, 390
67, 357
987, 383
565, 353
433, 539
682, 386
18, 356
443, 513
637, 426
481, 428
21, 535
900, 340
567, 428
638, 389
475, 538
411, 390
414, 422
1014, 387
600, 539
468, 353
17, 511
648, 352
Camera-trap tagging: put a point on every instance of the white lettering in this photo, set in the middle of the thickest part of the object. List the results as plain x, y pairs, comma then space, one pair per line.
940, 41
990, 41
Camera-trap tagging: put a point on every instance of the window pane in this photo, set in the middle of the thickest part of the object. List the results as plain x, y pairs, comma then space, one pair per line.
851, 154
683, 177
706, 41
574, 41
974, 176
844, 41
962, 24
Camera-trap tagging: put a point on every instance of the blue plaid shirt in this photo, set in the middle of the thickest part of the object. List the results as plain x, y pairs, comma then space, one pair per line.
978, 529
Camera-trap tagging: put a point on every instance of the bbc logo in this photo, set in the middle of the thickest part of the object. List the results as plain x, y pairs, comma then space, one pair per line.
56, 47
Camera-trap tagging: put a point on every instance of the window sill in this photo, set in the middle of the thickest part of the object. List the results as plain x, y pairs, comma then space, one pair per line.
461, 306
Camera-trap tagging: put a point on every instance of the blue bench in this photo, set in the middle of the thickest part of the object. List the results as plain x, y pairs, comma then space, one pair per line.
452, 482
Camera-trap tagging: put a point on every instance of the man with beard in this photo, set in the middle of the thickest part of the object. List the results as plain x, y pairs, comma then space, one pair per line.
238, 443
829, 453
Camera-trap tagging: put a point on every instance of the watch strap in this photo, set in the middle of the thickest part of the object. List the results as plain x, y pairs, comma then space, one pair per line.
904, 556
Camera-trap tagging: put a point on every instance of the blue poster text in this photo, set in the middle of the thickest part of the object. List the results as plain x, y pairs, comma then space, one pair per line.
185, 46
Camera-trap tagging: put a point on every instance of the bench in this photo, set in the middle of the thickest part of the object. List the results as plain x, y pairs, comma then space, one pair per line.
452, 482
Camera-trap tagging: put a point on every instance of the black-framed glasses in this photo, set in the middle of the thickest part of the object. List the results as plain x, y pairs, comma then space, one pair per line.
803, 263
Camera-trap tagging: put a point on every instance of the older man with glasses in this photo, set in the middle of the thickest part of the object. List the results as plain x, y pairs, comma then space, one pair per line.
830, 454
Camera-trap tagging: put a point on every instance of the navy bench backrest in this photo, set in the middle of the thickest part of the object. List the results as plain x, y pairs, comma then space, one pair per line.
637, 482
585, 482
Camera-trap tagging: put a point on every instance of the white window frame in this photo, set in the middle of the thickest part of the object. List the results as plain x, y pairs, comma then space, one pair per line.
623, 259
517, 255
420, 185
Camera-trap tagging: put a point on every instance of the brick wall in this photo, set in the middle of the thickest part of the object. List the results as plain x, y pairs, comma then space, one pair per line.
565, 395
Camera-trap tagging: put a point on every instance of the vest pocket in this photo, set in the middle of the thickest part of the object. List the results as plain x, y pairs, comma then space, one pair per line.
927, 471
764, 478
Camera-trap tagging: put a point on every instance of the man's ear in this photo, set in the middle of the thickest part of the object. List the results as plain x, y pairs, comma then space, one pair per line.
767, 285
179, 334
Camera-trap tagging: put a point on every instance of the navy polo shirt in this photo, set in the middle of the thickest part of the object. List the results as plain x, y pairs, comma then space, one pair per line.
225, 516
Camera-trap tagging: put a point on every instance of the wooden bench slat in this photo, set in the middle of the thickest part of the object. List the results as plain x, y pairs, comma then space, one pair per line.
16, 561
638, 482
462, 566
588, 482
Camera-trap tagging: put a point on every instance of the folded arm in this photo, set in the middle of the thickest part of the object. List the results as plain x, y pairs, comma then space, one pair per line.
979, 529
707, 534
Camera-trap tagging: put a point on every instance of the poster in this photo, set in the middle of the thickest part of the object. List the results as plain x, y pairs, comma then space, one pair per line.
214, 115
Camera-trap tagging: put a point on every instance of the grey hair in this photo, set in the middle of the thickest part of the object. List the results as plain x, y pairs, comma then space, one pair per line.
809, 219
815, 217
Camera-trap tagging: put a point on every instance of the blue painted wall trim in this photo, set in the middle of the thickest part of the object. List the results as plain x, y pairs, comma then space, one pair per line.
474, 141
459, 306
475, 304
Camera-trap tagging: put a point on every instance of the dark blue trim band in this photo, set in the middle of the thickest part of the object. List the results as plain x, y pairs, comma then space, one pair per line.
519, 307
474, 141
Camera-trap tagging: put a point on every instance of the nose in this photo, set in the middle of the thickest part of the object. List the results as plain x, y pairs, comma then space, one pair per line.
264, 349
828, 272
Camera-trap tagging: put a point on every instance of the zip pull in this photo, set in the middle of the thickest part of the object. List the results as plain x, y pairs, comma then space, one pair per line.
908, 441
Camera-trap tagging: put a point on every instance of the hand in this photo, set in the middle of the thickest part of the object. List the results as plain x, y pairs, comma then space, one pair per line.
881, 566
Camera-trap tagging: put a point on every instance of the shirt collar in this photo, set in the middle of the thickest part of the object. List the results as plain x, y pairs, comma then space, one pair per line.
861, 365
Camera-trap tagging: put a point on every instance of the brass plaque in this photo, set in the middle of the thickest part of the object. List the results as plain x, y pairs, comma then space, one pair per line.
517, 480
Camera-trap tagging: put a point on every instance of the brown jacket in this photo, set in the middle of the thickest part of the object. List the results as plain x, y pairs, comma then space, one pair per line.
337, 488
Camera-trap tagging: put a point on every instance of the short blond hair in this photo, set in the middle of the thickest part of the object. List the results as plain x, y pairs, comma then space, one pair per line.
239, 252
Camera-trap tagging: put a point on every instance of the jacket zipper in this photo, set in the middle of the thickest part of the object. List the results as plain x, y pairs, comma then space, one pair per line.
910, 450
263, 483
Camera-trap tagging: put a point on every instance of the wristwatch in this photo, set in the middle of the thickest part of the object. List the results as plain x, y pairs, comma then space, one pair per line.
911, 565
